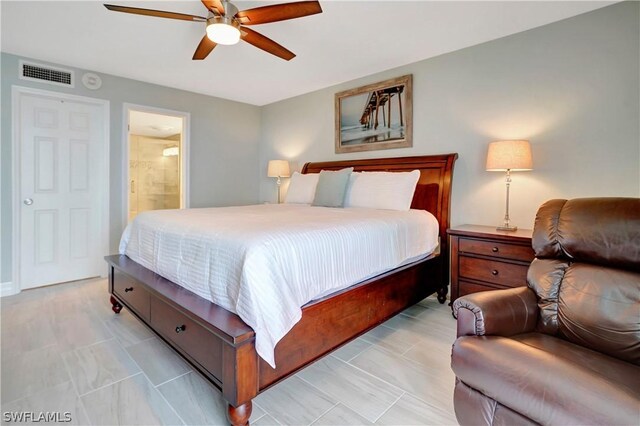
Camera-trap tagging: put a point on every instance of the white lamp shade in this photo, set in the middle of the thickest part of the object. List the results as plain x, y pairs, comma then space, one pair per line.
278, 168
509, 155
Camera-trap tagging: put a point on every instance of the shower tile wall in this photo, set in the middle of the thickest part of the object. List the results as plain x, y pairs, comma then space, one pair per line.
154, 180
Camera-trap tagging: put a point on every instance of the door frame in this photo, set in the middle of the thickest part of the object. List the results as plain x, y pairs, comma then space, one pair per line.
184, 153
103, 183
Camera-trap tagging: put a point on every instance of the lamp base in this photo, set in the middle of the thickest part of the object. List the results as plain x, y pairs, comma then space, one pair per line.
507, 228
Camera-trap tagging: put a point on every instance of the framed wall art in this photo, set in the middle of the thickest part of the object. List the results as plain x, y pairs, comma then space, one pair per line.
376, 116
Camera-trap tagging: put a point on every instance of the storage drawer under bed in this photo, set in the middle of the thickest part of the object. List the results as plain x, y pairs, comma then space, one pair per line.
203, 346
132, 293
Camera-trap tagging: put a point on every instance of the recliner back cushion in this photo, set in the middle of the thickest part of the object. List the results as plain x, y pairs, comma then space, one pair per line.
586, 273
604, 231
592, 306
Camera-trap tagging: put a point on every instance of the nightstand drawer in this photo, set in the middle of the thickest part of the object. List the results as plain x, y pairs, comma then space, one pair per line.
470, 288
502, 273
494, 249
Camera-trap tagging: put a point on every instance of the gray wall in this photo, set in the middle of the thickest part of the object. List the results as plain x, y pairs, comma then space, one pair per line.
570, 87
223, 133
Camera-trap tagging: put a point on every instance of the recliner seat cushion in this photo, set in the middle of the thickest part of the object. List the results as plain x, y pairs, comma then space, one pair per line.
549, 380
474, 408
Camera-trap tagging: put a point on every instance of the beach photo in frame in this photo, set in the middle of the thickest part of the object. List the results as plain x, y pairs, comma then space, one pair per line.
376, 116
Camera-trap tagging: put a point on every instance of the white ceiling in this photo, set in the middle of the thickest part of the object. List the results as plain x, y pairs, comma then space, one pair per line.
154, 125
350, 39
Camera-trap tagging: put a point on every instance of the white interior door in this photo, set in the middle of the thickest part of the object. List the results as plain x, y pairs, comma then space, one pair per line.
61, 189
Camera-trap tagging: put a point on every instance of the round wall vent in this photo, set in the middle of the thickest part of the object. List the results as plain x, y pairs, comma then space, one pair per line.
91, 81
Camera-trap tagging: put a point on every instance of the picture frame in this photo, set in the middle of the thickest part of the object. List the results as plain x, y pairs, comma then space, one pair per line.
374, 117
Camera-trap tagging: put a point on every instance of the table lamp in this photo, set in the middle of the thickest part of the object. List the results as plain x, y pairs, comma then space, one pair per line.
509, 156
278, 169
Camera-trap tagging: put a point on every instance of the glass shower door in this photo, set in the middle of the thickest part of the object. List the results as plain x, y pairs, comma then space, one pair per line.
154, 173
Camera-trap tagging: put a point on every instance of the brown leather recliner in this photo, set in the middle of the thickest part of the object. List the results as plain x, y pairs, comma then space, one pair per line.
566, 349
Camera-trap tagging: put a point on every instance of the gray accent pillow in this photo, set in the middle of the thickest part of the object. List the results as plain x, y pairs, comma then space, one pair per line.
331, 188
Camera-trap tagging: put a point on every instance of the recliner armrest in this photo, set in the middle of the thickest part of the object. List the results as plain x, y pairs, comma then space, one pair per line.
498, 312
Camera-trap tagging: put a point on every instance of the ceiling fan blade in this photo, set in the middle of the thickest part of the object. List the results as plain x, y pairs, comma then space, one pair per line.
204, 48
278, 12
265, 43
156, 13
215, 6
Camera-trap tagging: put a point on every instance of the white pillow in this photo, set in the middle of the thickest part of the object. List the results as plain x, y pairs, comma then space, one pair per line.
382, 190
302, 188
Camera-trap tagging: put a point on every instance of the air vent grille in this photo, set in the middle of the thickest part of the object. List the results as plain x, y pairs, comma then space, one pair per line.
46, 74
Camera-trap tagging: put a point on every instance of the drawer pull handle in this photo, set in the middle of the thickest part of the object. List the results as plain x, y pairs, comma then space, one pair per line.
181, 328
128, 289
494, 272
495, 249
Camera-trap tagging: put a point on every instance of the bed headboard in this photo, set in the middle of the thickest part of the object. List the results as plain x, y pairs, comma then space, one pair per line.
433, 192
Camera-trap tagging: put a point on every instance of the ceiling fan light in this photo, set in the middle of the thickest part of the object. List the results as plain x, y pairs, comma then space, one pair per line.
222, 33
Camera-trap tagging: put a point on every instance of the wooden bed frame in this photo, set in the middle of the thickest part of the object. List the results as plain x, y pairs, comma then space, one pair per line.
219, 345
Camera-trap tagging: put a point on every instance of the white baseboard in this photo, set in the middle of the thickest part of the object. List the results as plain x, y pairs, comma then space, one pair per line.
8, 289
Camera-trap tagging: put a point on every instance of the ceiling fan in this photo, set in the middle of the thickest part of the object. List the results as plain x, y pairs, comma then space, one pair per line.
228, 25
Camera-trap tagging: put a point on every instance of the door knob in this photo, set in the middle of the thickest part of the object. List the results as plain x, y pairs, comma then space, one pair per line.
28, 201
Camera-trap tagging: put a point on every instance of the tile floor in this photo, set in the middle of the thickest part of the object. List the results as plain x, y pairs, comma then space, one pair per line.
64, 350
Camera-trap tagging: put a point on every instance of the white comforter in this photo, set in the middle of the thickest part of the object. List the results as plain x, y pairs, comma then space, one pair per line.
264, 262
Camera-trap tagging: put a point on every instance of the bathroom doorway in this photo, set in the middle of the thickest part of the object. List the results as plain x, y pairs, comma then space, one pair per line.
157, 152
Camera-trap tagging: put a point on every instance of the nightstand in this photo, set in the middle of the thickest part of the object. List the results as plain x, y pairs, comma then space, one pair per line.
483, 258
